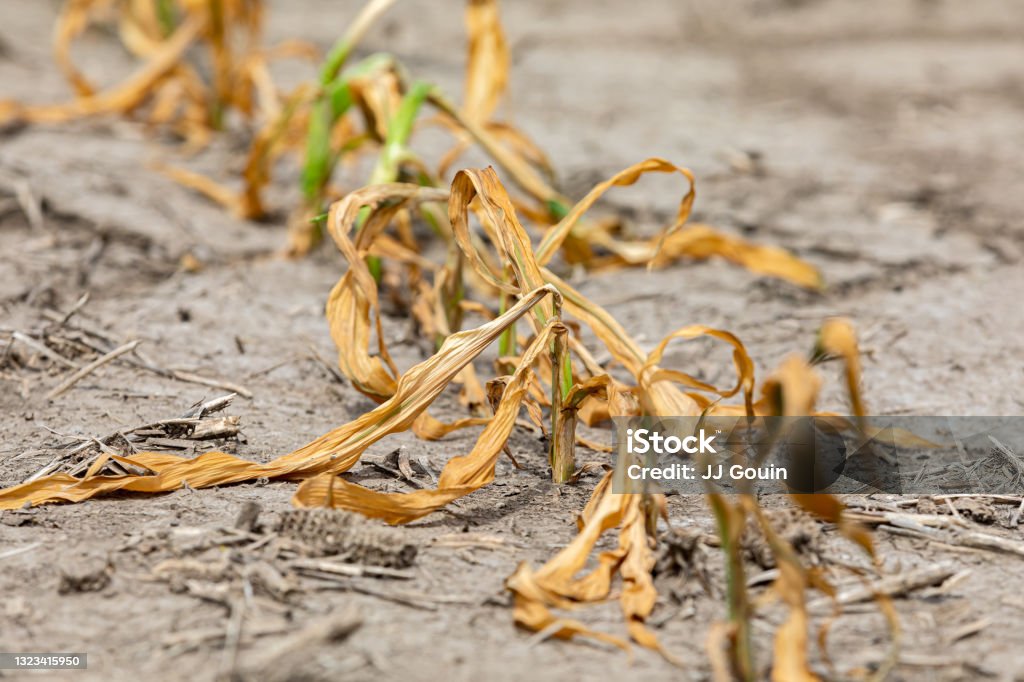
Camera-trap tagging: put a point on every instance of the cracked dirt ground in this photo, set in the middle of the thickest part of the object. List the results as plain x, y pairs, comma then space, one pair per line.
879, 140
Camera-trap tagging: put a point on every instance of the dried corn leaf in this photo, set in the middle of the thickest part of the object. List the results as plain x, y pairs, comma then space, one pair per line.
497, 212
163, 34
277, 135
335, 451
698, 241
556, 235
139, 28
352, 308
790, 661
488, 60
206, 186
460, 476
639, 595
658, 397
487, 66
838, 338
651, 372
75, 16
121, 99
498, 216
555, 584
518, 168
701, 242
515, 248
792, 390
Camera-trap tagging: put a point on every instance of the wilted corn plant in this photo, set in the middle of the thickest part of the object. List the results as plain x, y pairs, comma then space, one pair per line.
358, 224
176, 86
352, 109
369, 106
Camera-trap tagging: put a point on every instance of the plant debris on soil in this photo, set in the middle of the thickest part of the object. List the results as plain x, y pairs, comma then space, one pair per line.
153, 343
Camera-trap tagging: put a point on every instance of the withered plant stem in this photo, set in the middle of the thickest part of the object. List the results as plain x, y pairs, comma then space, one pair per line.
563, 417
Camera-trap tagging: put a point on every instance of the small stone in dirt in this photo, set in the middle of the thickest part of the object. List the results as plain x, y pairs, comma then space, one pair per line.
89, 575
17, 517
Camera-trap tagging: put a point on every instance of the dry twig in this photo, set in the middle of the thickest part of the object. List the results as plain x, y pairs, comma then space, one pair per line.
85, 371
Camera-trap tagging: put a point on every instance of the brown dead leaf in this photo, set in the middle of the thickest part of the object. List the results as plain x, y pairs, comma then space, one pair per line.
488, 60
335, 451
